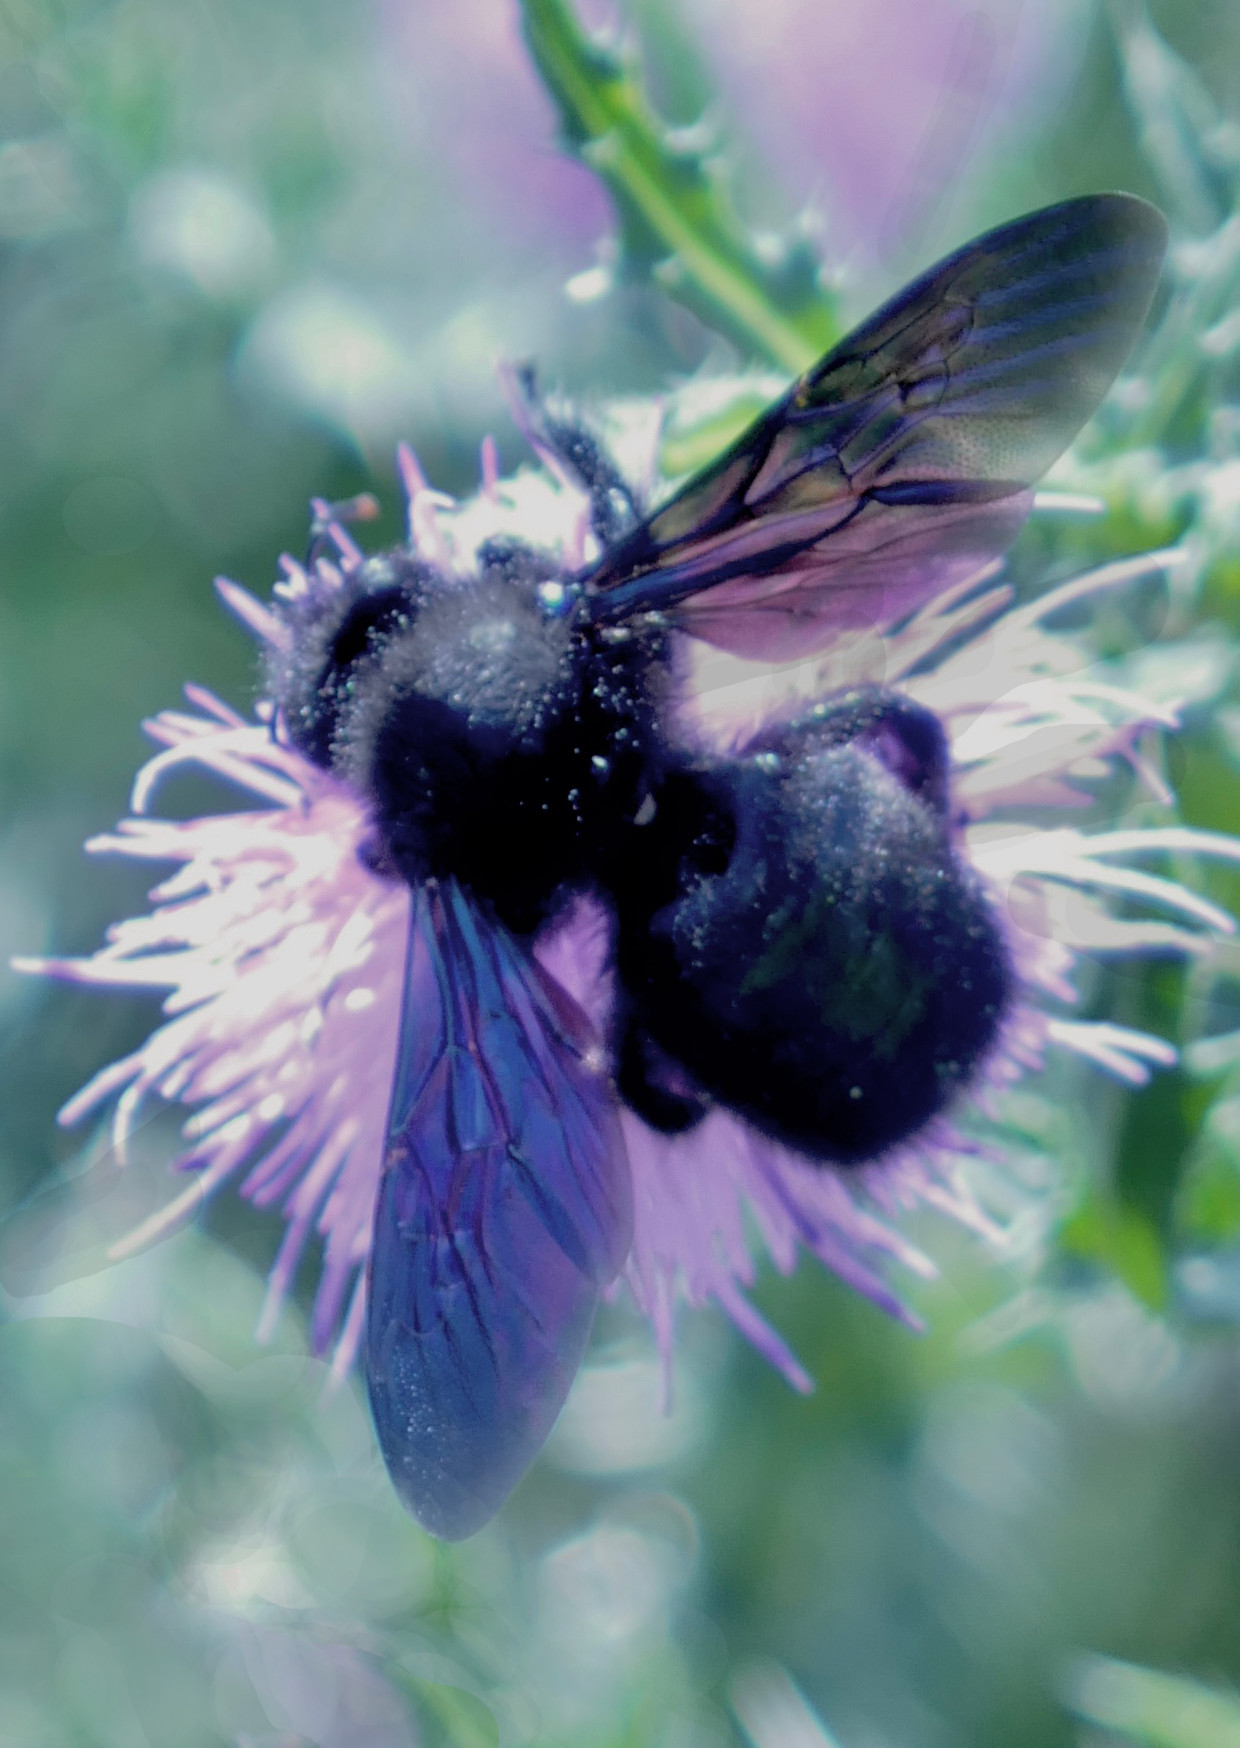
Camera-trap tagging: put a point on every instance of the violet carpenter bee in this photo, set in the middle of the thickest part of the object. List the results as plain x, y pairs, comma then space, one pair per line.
795, 936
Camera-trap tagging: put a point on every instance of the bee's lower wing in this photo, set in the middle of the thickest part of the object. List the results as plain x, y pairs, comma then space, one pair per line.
503, 1211
883, 563
902, 460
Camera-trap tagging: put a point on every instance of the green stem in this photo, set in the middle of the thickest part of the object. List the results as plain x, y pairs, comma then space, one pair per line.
675, 218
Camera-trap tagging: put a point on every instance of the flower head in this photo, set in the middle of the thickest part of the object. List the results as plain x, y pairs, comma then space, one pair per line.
279, 944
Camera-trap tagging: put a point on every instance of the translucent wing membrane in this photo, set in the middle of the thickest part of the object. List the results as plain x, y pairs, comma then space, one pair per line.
503, 1210
901, 462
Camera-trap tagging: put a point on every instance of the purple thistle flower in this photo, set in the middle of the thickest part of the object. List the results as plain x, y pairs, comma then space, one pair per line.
281, 951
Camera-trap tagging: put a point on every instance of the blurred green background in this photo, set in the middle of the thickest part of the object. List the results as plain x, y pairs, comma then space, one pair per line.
245, 245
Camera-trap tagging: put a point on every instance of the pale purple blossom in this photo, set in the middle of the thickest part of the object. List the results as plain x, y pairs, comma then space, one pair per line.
280, 952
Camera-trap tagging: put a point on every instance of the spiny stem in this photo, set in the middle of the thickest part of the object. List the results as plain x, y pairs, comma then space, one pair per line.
675, 219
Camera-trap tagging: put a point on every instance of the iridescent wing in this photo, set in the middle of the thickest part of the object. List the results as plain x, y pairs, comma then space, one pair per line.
901, 463
503, 1211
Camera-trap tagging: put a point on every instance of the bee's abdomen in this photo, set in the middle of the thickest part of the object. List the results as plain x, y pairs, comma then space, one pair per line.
835, 972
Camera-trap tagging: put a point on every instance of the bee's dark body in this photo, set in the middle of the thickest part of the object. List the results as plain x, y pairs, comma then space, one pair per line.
797, 935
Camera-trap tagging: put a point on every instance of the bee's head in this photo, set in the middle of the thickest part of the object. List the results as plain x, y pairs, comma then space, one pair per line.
487, 644
339, 625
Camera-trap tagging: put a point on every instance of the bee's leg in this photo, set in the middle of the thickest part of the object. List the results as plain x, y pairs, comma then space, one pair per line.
656, 1088
613, 505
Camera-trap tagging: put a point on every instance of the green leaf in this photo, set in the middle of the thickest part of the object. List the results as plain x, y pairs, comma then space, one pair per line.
1208, 1205
676, 222
1158, 1125
1191, 150
705, 417
1161, 1711
1125, 1241
456, 1718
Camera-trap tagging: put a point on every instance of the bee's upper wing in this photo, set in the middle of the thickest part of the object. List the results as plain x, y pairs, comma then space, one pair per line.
503, 1211
900, 463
